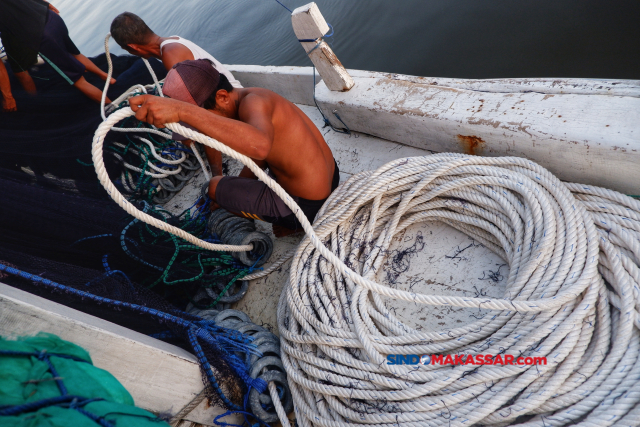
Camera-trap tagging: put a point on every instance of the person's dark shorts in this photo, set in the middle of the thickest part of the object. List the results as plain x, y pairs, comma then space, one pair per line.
253, 199
58, 49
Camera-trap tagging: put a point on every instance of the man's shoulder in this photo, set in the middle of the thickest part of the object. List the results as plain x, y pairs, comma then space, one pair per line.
172, 53
259, 94
257, 101
173, 46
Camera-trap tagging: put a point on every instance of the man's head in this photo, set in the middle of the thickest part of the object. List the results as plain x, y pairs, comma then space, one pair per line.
199, 83
132, 34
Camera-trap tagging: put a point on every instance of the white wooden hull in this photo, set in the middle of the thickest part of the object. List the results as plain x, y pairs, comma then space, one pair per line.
582, 130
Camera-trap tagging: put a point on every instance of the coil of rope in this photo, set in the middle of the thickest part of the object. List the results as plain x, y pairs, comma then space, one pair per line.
335, 330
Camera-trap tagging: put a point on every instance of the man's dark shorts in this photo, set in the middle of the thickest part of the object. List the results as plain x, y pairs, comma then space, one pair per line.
58, 49
253, 199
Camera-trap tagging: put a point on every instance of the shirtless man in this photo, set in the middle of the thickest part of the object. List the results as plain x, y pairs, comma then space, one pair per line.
257, 123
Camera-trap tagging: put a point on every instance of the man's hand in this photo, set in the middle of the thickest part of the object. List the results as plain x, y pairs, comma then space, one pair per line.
155, 110
9, 104
52, 7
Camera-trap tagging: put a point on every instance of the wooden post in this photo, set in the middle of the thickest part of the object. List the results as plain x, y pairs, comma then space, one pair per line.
309, 24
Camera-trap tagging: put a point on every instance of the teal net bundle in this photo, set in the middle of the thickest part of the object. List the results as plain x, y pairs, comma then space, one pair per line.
64, 239
49, 382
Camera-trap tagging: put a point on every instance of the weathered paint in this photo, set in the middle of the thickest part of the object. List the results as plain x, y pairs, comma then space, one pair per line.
309, 24
471, 144
580, 137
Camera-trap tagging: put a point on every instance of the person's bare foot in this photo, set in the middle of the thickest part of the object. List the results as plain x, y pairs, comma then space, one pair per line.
280, 231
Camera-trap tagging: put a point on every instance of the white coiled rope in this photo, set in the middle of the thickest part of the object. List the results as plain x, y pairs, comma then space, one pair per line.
335, 330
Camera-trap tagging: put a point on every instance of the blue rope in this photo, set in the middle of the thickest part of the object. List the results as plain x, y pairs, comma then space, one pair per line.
45, 357
7, 411
319, 38
290, 11
196, 329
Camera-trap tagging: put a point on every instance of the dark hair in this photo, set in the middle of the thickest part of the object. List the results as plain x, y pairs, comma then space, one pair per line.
210, 103
129, 28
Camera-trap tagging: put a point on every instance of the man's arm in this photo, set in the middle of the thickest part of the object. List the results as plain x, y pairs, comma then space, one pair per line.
52, 7
173, 53
26, 81
8, 103
253, 138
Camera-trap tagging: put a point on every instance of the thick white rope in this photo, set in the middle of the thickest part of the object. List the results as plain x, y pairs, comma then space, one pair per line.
154, 77
109, 74
336, 331
205, 169
103, 176
134, 91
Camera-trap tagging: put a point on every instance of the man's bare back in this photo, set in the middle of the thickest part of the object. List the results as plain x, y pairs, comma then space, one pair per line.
262, 125
257, 123
299, 157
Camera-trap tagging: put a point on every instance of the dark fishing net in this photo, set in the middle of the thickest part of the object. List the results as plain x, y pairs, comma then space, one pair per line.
63, 238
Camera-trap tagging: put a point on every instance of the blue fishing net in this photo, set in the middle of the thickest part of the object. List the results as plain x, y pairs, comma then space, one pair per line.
64, 239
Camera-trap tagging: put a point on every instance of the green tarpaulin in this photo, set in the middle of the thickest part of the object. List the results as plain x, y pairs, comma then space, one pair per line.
33, 395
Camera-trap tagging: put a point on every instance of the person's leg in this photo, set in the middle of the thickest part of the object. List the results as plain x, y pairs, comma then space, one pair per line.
26, 81
90, 90
90, 66
215, 161
251, 198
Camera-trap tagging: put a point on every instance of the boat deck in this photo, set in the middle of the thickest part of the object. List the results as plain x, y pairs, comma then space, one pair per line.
431, 258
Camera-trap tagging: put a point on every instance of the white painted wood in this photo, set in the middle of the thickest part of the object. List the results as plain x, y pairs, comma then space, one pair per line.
592, 139
308, 23
292, 83
542, 85
162, 378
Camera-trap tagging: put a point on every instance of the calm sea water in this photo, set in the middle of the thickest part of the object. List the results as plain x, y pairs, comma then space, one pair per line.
436, 38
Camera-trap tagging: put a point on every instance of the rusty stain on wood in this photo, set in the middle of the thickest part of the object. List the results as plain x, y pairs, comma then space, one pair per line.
471, 143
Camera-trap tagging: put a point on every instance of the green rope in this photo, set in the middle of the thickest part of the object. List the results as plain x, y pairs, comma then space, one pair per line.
58, 70
187, 264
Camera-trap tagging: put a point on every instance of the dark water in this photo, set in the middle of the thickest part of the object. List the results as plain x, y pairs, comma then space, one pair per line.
437, 38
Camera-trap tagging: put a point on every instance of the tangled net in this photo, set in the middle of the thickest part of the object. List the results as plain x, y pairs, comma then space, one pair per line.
153, 170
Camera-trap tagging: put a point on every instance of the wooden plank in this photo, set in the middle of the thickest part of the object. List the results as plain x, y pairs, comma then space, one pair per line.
162, 378
309, 24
